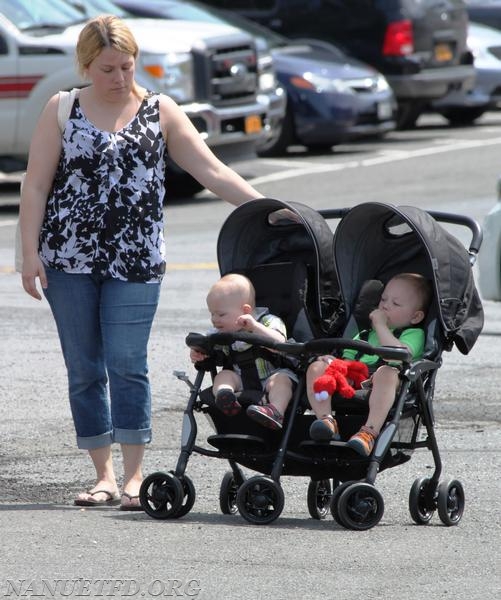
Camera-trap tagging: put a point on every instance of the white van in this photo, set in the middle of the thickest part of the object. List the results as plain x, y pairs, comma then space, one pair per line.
210, 70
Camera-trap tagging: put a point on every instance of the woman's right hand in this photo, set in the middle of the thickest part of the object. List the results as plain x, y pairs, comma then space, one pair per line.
33, 268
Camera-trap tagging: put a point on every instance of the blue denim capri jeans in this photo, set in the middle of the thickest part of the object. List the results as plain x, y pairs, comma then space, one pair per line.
104, 327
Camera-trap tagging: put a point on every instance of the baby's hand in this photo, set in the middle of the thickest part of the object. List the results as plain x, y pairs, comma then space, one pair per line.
247, 323
326, 358
197, 355
378, 317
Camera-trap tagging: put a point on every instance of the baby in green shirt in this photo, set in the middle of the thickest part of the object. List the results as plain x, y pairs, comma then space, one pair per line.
403, 305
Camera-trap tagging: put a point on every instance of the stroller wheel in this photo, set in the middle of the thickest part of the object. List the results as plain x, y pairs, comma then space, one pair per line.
335, 498
419, 503
260, 500
189, 496
450, 502
319, 498
360, 506
228, 494
161, 495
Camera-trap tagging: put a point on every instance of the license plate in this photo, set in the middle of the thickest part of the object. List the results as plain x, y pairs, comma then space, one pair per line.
443, 53
384, 111
253, 124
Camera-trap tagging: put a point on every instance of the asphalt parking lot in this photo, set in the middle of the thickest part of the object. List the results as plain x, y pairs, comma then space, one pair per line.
52, 549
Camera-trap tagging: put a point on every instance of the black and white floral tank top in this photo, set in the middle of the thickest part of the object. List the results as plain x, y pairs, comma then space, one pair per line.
104, 213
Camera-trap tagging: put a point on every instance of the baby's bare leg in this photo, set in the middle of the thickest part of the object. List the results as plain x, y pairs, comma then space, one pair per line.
279, 390
226, 383
321, 408
384, 386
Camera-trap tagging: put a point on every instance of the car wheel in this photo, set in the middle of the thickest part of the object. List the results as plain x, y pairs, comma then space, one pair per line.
180, 185
408, 114
277, 146
463, 116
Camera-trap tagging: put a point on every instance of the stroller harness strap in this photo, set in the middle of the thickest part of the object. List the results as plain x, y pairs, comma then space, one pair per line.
245, 360
364, 336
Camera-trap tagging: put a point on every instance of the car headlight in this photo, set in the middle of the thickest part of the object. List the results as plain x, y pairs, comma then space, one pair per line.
320, 84
381, 84
267, 80
172, 74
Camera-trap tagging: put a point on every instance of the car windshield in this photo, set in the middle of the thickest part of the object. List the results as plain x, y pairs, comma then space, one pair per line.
26, 14
195, 11
92, 8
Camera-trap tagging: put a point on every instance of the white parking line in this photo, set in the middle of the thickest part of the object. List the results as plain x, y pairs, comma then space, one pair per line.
8, 223
300, 168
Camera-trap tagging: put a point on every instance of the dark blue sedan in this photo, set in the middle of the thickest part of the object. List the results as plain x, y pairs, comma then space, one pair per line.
331, 98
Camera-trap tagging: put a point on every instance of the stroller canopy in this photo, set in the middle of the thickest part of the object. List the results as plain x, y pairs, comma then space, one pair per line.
255, 234
376, 241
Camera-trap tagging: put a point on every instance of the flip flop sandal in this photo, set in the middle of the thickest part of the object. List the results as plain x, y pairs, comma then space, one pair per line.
134, 504
111, 500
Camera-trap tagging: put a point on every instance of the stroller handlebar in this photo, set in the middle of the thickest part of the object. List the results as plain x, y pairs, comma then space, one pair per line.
314, 347
330, 345
444, 217
463, 221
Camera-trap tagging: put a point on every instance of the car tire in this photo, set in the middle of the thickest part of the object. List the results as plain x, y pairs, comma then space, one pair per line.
408, 114
277, 146
463, 115
180, 185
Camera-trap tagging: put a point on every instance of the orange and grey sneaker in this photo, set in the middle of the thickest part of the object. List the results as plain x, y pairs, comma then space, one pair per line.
324, 429
363, 441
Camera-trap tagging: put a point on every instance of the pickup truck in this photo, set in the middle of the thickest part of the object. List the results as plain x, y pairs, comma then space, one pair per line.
210, 70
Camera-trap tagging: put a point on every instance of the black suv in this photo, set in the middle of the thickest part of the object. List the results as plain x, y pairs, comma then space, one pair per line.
419, 45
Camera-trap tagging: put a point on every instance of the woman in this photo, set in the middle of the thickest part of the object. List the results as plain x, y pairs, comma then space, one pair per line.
92, 233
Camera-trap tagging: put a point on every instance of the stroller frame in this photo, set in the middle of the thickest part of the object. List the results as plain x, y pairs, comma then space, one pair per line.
340, 480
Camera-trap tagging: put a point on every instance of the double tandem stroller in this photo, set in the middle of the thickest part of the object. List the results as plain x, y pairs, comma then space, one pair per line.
323, 285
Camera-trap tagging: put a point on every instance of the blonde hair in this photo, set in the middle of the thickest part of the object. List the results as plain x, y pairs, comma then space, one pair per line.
104, 31
237, 285
421, 285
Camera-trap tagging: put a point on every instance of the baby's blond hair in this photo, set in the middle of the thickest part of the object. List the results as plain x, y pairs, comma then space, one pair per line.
235, 284
421, 286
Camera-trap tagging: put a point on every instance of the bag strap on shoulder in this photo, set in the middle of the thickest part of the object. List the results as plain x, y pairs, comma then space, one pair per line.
66, 100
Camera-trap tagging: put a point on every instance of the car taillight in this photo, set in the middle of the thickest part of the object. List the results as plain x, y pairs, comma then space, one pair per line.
398, 39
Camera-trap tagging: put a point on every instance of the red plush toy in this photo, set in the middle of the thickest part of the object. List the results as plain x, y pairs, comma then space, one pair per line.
336, 376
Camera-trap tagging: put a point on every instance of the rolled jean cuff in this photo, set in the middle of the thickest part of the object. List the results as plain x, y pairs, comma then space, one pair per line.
132, 436
92, 442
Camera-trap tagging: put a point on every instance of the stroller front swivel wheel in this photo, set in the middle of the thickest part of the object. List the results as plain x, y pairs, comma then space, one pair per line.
420, 507
161, 495
188, 499
319, 498
360, 506
450, 502
228, 494
260, 500
338, 490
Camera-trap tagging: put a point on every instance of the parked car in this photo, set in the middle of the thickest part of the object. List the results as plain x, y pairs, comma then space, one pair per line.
269, 92
418, 45
489, 257
486, 12
463, 108
195, 63
331, 98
